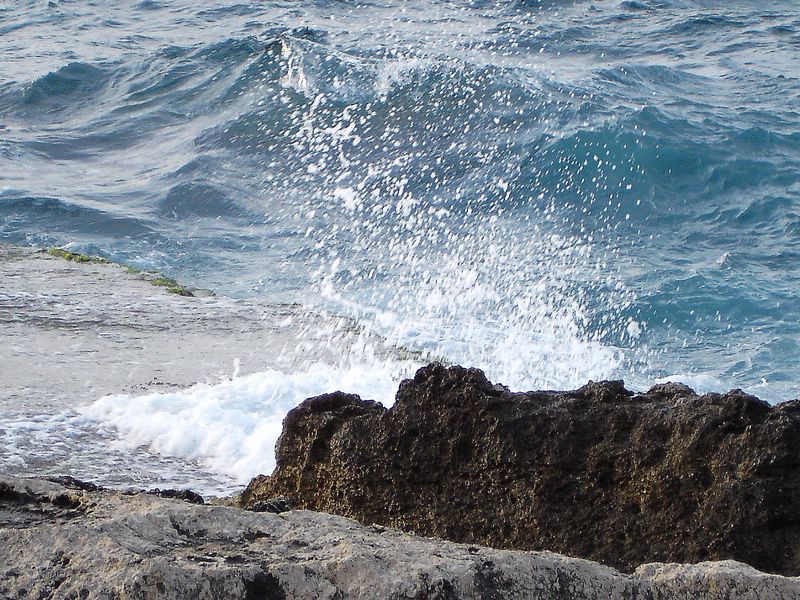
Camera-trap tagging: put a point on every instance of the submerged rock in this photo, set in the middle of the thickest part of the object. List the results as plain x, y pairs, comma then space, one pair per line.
75, 542
600, 473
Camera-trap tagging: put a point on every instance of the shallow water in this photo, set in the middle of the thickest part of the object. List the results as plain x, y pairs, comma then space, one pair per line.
552, 191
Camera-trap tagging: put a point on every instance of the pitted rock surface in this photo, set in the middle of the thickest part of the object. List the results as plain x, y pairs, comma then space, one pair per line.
65, 541
600, 472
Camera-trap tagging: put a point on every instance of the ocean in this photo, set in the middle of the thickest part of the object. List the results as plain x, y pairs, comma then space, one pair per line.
551, 191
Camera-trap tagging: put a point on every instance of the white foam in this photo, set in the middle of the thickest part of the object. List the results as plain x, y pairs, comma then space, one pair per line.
295, 77
706, 382
348, 197
392, 73
518, 312
230, 427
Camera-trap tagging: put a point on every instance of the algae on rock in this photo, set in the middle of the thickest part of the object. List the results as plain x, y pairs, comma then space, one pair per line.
76, 256
172, 286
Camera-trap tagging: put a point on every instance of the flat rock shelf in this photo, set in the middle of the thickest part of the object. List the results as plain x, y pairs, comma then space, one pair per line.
74, 331
76, 328
70, 540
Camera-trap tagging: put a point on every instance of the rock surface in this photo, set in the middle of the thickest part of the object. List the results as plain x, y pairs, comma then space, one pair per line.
598, 473
67, 540
73, 332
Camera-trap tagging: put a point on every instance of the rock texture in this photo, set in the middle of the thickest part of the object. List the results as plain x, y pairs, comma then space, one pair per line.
68, 540
600, 473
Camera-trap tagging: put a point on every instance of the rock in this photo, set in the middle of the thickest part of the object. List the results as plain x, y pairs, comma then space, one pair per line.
72, 542
273, 505
600, 473
185, 495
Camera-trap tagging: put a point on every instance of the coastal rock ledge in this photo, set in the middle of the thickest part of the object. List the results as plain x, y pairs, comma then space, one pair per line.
71, 540
599, 473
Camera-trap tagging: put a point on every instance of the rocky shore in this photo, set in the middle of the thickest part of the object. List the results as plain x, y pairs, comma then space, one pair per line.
71, 540
646, 496
75, 328
599, 473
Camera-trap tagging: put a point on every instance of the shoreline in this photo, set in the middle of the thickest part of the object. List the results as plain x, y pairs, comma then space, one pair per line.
85, 310
61, 318
78, 329
65, 541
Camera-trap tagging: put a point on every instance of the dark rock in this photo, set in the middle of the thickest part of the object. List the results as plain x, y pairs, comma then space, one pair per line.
264, 586
273, 505
20, 504
185, 495
73, 483
9, 494
598, 473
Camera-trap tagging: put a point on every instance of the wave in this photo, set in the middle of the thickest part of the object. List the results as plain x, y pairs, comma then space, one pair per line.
80, 220
198, 199
230, 427
405, 158
470, 183
210, 437
73, 84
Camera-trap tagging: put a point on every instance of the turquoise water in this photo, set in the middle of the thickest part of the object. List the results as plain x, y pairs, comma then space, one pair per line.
552, 191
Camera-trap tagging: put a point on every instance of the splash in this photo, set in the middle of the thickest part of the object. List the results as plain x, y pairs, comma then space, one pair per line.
231, 427
460, 262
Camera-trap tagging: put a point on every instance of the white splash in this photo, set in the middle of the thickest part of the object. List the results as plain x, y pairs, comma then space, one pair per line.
295, 77
392, 73
230, 427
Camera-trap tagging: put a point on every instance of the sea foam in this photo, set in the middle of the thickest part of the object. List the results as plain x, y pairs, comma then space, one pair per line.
230, 427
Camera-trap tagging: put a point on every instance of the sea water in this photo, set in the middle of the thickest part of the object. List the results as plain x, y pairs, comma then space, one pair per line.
550, 191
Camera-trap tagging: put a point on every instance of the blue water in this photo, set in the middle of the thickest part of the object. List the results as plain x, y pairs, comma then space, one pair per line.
552, 191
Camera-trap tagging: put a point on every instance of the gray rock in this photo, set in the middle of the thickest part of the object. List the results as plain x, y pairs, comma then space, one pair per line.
63, 540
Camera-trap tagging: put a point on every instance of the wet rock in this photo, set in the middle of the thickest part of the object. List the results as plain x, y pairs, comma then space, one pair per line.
600, 473
146, 547
185, 495
71, 482
273, 505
